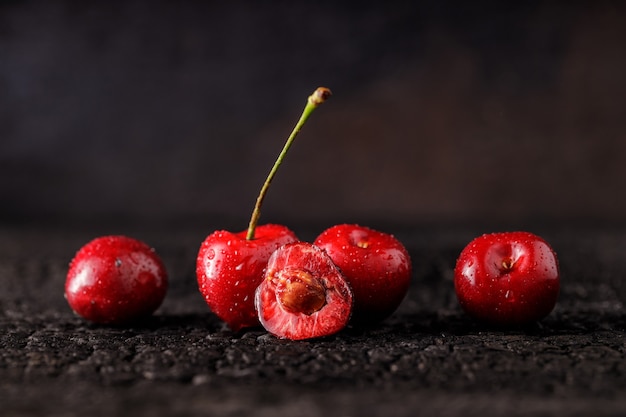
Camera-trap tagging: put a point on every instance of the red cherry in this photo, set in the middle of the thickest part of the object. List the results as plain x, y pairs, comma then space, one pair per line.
303, 294
509, 278
115, 279
376, 265
230, 267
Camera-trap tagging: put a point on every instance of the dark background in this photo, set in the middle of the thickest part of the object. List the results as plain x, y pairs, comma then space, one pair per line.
160, 120
442, 110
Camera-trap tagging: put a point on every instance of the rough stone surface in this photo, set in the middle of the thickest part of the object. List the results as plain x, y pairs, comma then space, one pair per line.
429, 358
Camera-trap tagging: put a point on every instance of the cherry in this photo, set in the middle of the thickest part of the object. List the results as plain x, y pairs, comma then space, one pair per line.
303, 294
509, 278
376, 265
229, 266
115, 279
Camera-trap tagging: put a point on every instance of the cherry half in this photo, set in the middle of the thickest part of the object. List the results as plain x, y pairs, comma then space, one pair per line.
509, 278
303, 294
376, 265
229, 266
114, 280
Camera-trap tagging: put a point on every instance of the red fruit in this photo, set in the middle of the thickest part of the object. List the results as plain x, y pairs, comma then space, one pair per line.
376, 265
115, 279
507, 278
303, 294
230, 267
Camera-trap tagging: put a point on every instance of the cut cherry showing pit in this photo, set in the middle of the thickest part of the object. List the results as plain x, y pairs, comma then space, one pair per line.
303, 294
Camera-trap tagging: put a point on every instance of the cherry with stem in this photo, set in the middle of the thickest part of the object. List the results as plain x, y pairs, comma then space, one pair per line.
230, 266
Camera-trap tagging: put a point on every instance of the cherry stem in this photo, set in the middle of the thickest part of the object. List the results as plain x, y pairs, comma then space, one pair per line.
507, 264
320, 95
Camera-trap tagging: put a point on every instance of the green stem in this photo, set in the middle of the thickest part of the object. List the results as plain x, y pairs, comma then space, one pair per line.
318, 97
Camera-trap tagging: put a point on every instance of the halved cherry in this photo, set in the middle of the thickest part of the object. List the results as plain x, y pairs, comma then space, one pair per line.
303, 294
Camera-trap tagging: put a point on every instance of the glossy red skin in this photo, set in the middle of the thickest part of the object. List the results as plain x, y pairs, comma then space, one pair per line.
330, 319
229, 268
522, 294
379, 274
115, 280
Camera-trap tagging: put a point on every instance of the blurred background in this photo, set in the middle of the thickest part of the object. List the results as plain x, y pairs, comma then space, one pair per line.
442, 111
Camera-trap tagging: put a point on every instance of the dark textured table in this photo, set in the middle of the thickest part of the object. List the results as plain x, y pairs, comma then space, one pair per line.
427, 359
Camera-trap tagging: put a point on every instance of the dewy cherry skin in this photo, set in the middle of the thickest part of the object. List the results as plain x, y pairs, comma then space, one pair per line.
115, 280
376, 265
229, 266
303, 295
509, 278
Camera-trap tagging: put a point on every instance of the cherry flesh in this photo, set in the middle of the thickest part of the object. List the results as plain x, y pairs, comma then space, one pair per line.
376, 265
114, 280
303, 294
509, 278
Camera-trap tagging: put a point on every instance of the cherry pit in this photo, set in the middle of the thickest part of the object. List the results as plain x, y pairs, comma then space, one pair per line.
350, 275
303, 294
